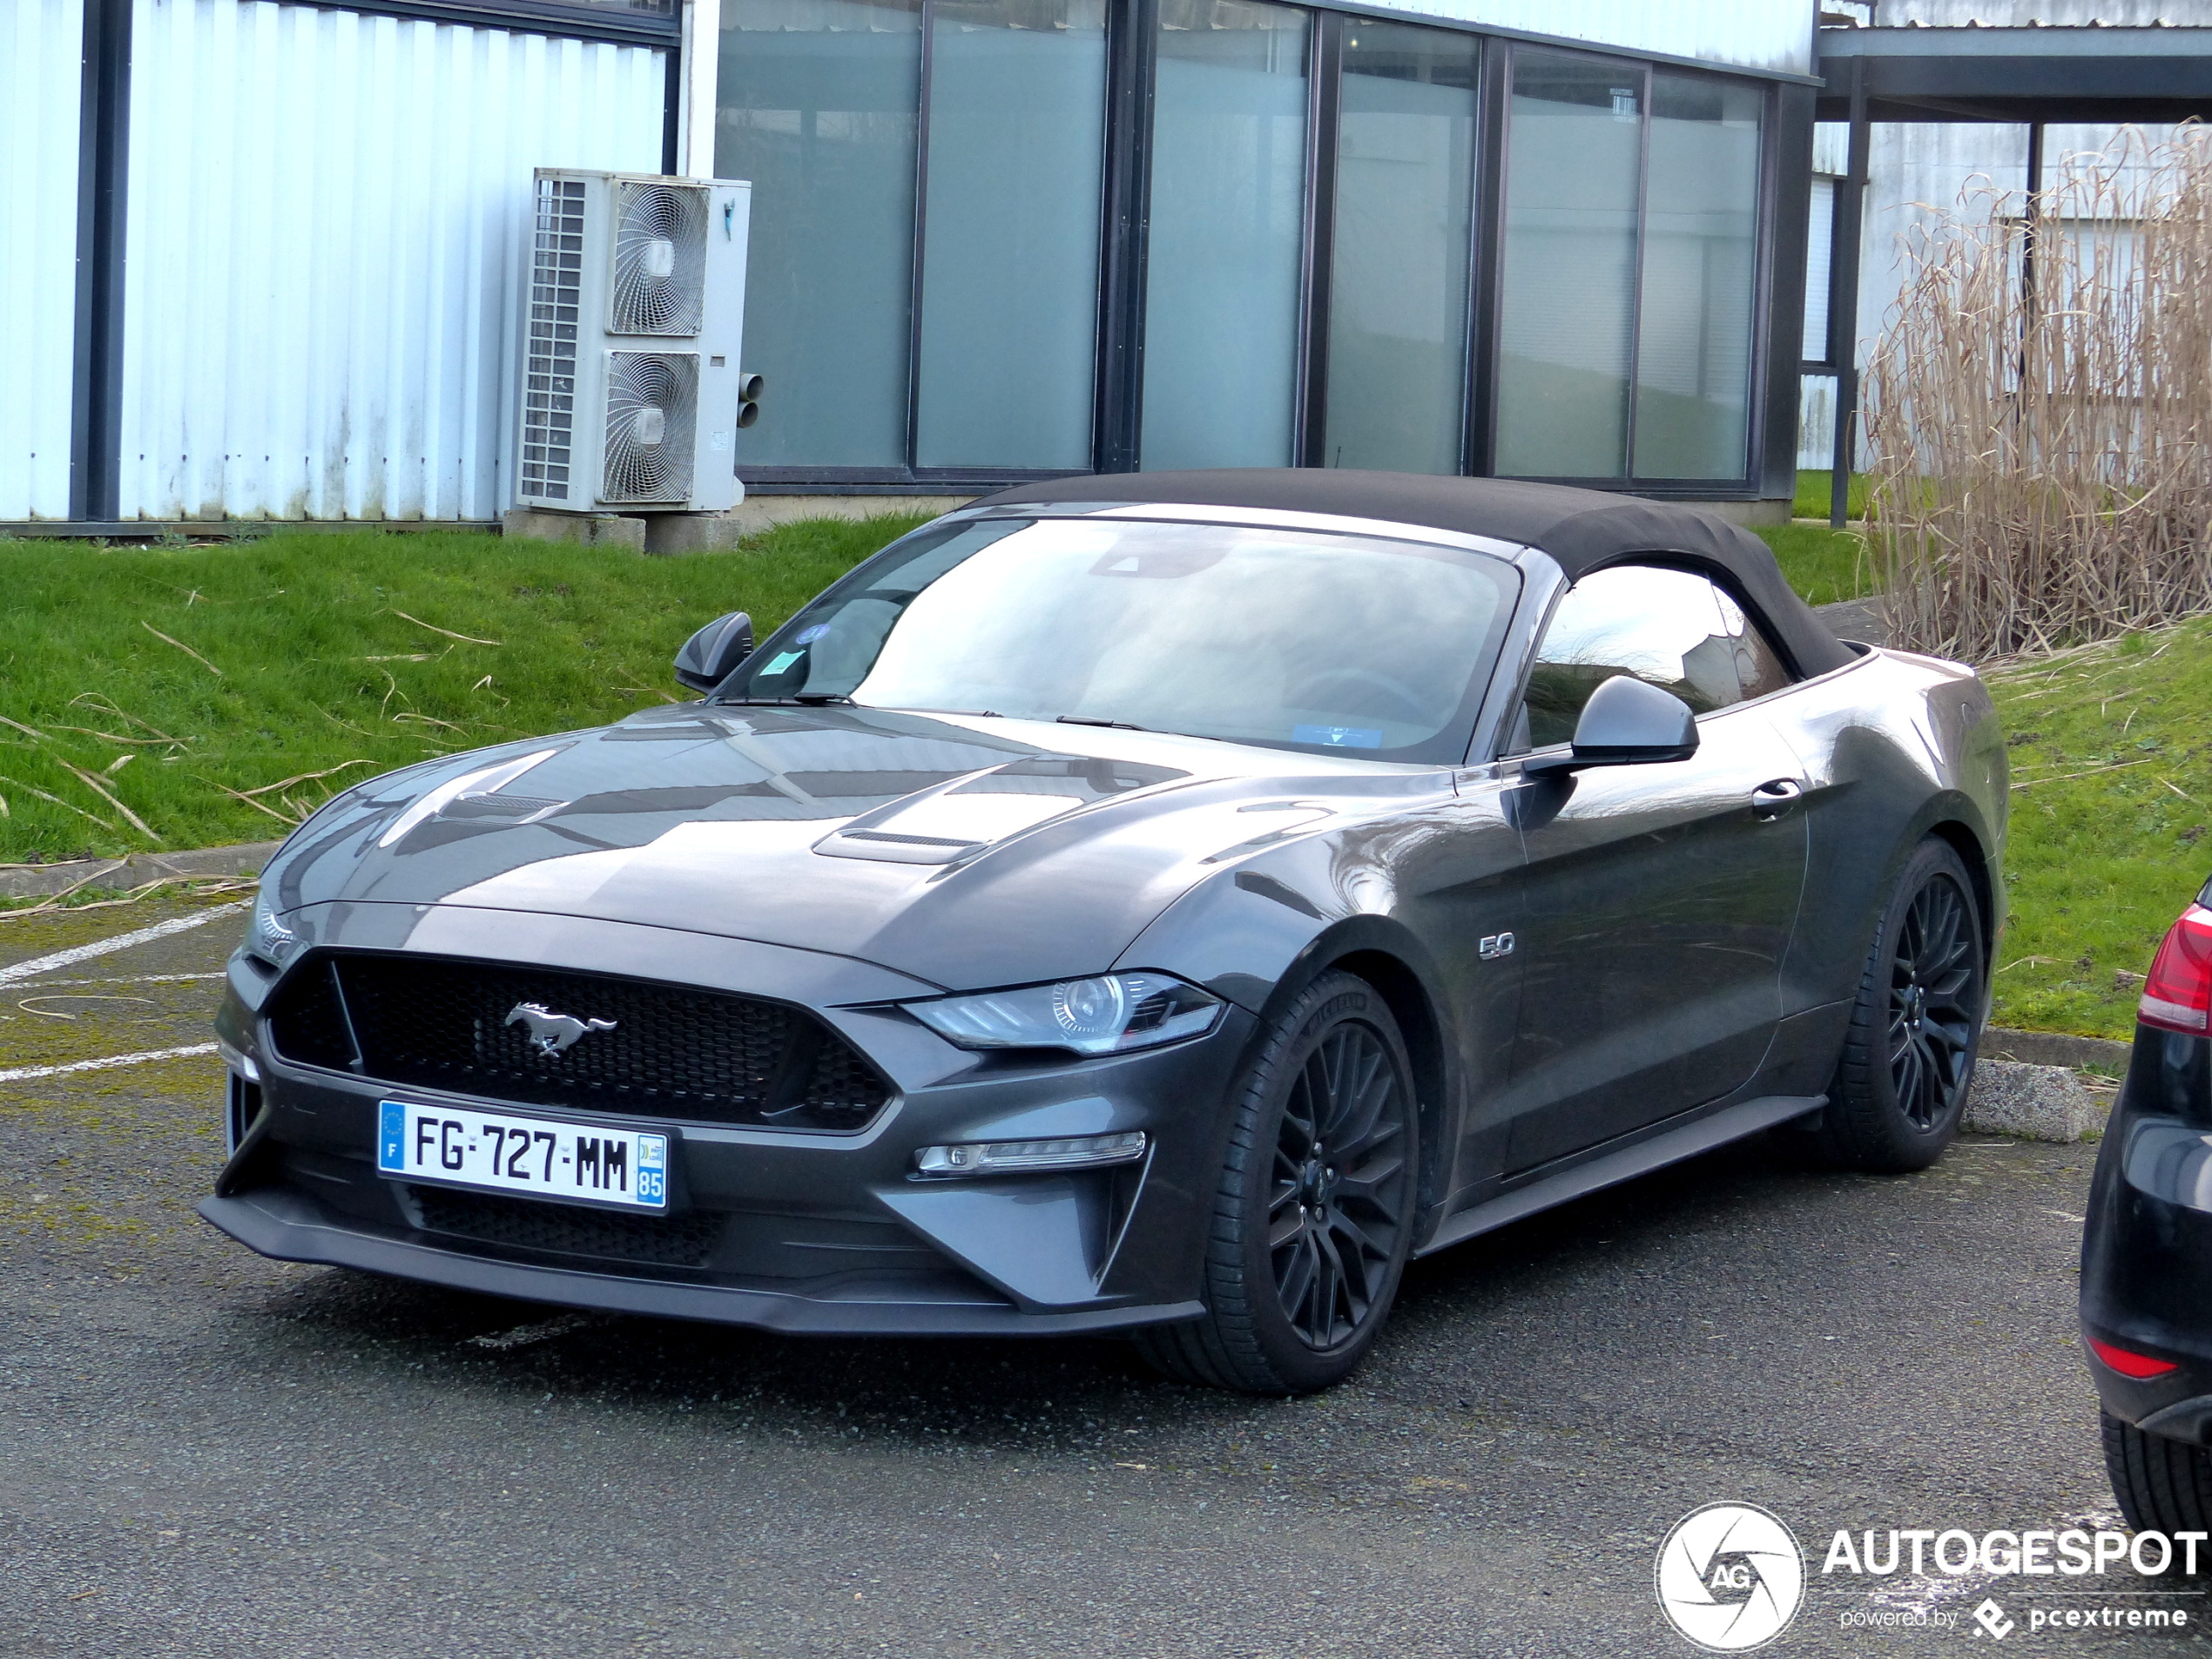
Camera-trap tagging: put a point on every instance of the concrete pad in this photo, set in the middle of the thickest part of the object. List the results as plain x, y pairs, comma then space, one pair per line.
593, 529
674, 533
765, 512
2038, 1103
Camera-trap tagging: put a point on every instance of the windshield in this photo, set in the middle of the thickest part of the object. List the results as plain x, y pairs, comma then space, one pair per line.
1286, 637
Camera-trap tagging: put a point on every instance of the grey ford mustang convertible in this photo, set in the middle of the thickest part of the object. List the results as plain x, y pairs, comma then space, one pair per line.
1161, 903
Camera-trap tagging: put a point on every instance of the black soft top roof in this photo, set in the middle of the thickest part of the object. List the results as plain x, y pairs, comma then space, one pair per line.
1582, 530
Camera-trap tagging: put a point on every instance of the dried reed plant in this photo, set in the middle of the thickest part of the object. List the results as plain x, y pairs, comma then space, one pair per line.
2040, 409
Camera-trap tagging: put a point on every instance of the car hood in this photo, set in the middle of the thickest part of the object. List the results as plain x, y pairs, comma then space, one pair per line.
965, 852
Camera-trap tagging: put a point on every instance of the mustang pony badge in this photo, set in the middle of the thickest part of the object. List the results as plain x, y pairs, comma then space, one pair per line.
554, 1032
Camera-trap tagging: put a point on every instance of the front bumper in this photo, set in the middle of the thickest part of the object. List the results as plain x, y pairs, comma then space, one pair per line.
784, 1230
2147, 1247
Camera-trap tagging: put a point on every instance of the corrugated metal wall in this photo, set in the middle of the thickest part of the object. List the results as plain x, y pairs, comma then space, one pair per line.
41, 44
328, 218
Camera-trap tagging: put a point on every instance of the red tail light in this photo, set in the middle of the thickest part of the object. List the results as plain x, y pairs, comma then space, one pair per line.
2178, 994
2141, 1366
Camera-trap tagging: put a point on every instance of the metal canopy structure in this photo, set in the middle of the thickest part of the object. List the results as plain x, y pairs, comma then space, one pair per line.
2018, 76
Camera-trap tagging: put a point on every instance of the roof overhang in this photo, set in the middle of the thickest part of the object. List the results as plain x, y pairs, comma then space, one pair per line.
2090, 74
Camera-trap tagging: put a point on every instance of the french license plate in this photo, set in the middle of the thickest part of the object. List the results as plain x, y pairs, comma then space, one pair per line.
534, 1155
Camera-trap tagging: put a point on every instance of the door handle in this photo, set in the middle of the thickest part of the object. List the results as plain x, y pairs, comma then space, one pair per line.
1773, 799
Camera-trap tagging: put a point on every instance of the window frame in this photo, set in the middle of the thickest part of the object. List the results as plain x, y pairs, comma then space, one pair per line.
1509, 712
1491, 227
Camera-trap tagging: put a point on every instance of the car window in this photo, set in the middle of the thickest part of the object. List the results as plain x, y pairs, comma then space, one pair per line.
1674, 628
1289, 637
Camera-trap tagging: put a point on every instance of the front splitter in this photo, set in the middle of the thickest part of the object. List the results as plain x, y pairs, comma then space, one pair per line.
289, 1239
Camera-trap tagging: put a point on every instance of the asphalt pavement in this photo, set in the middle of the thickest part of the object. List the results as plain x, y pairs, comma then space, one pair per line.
202, 1452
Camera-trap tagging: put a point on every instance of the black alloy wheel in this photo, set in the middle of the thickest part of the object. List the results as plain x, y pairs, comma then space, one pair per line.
1338, 1206
1932, 1024
1314, 1213
1908, 1059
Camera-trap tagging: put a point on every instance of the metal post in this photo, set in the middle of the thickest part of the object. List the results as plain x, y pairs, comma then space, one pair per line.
1843, 296
1131, 48
95, 414
2028, 227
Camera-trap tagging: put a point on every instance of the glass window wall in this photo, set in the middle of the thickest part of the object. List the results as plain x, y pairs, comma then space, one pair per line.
1405, 205
817, 106
1700, 258
1227, 235
1574, 166
1627, 275
1009, 293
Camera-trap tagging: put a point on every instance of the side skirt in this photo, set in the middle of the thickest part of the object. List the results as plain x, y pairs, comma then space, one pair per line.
1607, 1169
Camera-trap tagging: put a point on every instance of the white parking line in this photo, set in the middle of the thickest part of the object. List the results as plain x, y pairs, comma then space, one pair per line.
21, 1074
138, 979
38, 965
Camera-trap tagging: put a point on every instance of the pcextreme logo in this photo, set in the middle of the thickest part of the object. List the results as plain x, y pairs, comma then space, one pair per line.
1731, 1577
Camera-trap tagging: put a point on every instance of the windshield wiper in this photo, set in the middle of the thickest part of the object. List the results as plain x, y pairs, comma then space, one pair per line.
813, 699
1084, 719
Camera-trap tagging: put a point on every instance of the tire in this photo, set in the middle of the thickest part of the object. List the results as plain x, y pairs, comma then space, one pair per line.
2163, 1486
1303, 1252
1908, 1055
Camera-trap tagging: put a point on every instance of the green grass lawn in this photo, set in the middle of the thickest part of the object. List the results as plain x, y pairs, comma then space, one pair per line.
156, 697
2112, 823
1820, 564
1817, 493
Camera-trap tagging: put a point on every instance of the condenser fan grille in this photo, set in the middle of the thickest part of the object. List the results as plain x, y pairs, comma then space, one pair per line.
653, 407
660, 260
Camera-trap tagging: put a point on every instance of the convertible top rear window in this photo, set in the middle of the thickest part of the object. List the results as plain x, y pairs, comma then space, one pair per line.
1287, 637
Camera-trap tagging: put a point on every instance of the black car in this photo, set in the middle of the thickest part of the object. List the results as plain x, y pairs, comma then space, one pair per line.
1154, 903
2147, 1249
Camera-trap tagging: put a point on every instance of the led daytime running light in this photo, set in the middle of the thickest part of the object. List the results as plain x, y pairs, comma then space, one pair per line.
1009, 1158
1109, 1014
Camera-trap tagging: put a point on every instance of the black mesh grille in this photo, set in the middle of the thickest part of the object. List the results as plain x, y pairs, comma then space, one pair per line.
569, 1230
668, 1051
313, 1030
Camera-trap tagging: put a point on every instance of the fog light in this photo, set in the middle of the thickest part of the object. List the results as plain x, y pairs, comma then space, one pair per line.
1007, 1158
241, 1063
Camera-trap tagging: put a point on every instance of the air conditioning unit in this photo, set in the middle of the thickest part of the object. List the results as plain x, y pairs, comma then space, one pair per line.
631, 383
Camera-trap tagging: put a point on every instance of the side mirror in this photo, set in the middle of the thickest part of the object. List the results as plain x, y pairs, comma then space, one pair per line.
1627, 721
711, 655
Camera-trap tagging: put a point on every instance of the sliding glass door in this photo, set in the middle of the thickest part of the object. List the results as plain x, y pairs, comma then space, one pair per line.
1405, 212
1009, 288
1228, 235
1629, 273
1565, 314
817, 107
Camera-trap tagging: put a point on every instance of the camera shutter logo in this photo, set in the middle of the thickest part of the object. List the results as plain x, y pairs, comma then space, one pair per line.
1731, 1577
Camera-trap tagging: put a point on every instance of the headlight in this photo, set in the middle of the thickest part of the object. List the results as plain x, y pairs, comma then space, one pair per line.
269, 938
1110, 1014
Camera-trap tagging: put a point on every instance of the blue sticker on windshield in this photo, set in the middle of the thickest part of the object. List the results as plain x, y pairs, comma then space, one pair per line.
808, 637
1338, 737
